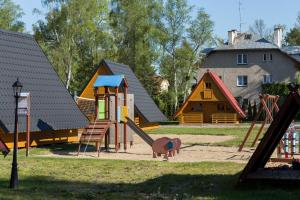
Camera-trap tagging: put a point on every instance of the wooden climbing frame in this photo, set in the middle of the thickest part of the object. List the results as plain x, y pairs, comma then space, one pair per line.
267, 104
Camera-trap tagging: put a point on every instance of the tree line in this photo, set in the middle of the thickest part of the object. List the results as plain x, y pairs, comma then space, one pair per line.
151, 36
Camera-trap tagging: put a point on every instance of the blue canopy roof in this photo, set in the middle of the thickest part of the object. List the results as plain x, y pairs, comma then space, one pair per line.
109, 81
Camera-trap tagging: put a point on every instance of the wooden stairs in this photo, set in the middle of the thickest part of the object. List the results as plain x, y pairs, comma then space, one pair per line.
94, 132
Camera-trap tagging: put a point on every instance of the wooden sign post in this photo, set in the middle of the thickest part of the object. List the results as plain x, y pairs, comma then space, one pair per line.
24, 109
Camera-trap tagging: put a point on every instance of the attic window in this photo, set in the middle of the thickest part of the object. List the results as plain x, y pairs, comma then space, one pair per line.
207, 85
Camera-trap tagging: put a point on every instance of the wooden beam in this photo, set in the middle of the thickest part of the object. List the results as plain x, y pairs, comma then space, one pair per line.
116, 121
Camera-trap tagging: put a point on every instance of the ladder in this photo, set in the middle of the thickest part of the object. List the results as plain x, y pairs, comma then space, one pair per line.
94, 132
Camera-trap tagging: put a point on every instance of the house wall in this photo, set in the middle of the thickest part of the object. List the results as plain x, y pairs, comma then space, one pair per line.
224, 63
41, 138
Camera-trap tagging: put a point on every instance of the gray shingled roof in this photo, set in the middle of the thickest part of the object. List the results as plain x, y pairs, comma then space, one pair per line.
143, 102
52, 107
247, 41
293, 51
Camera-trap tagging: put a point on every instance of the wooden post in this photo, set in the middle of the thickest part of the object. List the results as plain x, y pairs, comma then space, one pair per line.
106, 137
106, 103
96, 103
27, 133
251, 127
116, 122
125, 124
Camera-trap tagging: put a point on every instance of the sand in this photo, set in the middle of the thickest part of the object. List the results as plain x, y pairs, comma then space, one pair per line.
191, 151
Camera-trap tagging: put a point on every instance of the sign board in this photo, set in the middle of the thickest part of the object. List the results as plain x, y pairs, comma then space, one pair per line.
24, 103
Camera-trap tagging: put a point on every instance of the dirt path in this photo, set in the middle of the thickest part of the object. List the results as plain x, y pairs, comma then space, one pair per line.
191, 151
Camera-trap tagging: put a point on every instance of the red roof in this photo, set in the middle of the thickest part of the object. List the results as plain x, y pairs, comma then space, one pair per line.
224, 90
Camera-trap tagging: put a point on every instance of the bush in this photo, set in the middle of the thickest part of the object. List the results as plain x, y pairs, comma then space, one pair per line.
254, 110
280, 89
249, 114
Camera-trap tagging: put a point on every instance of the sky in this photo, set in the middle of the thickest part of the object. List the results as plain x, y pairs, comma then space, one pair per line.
224, 13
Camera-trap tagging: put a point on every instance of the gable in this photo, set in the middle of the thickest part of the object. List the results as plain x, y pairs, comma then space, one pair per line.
52, 107
201, 89
143, 102
88, 91
219, 93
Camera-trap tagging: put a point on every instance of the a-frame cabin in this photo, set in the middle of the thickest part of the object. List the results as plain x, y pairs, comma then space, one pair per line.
54, 115
146, 113
255, 170
210, 102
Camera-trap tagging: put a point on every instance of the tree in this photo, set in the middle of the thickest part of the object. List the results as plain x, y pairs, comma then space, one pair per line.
293, 36
249, 113
176, 15
260, 28
10, 15
200, 33
75, 37
135, 29
254, 112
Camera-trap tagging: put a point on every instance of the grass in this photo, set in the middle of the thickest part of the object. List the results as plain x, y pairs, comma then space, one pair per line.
238, 133
71, 178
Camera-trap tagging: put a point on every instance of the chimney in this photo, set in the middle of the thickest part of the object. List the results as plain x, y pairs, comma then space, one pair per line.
278, 36
231, 35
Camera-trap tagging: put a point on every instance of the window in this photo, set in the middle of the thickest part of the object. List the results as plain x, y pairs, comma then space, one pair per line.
267, 79
242, 59
242, 81
207, 85
267, 57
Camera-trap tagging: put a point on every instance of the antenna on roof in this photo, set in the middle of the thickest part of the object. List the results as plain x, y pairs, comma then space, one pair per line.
240, 15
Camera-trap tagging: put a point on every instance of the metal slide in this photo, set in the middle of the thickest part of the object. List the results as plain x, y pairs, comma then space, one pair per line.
139, 131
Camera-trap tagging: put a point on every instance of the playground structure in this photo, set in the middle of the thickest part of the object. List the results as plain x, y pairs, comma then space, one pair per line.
112, 118
267, 106
210, 102
255, 169
108, 111
288, 150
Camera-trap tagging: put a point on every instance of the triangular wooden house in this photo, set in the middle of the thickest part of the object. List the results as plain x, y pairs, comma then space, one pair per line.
255, 169
146, 112
210, 102
54, 115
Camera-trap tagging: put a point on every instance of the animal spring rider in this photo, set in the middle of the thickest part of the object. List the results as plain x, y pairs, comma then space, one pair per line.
166, 146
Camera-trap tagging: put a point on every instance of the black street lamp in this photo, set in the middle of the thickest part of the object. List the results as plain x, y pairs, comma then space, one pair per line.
14, 180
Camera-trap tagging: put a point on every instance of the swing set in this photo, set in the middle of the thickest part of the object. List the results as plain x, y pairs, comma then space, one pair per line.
268, 104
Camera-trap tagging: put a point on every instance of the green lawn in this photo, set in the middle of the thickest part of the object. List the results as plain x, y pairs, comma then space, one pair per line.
238, 133
71, 178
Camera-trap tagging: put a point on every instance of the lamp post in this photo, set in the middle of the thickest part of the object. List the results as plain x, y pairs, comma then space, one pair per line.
14, 181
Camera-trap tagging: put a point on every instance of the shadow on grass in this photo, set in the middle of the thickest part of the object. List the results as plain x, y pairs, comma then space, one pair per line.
68, 148
169, 186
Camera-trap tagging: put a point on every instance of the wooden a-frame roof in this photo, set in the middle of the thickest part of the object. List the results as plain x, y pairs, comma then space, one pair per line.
224, 90
144, 104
